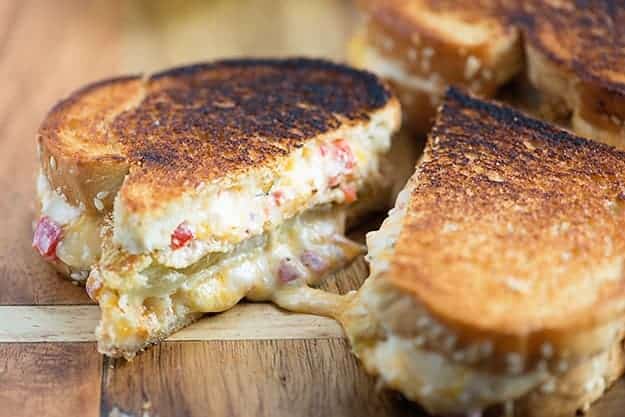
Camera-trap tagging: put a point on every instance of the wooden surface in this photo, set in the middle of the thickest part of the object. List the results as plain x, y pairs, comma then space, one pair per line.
254, 360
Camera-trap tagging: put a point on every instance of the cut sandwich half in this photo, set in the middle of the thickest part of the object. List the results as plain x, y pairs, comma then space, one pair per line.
576, 56
189, 190
564, 59
498, 280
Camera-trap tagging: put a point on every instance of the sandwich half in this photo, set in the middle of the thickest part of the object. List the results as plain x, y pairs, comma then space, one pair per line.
498, 279
559, 60
183, 192
575, 53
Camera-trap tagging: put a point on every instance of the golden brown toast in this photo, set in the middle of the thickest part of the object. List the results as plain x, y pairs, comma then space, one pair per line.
576, 52
498, 280
572, 52
423, 46
514, 211
158, 150
178, 129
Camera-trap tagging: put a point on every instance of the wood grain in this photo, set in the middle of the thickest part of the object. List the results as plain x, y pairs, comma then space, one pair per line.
49, 379
246, 321
268, 378
47, 49
171, 32
612, 404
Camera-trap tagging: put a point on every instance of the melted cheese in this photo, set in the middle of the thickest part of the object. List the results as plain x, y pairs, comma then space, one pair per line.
142, 300
79, 247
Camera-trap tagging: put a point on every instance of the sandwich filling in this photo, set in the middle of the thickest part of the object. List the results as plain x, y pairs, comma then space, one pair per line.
424, 366
369, 57
65, 234
143, 300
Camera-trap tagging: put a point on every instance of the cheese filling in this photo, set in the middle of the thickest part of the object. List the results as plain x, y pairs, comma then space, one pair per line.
79, 247
221, 216
53, 204
143, 301
395, 71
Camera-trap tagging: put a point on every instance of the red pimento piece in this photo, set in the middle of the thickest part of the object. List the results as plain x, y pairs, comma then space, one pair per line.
287, 272
313, 261
47, 237
349, 191
181, 236
343, 152
333, 181
278, 197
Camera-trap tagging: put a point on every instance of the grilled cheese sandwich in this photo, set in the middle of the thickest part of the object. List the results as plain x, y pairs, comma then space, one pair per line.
497, 281
561, 61
184, 192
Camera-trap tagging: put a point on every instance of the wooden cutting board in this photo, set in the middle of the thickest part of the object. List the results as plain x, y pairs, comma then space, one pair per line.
253, 360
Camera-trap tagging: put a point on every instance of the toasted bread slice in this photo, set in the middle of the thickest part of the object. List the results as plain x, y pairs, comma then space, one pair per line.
423, 46
229, 149
214, 183
499, 277
574, 55
576, 52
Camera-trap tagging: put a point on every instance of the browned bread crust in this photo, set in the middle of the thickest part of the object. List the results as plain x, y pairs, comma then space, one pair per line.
174, 130
576, 51
524, 221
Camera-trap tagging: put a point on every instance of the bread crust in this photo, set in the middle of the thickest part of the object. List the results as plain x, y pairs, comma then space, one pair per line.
574, 51
166, 134
400, 28
514, 211
481, 55
577, 52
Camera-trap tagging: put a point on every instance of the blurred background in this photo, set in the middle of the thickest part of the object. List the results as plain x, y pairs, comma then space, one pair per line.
50, 47
164, 33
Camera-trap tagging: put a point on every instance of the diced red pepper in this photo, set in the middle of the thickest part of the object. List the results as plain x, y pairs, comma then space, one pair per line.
343, 152
278, 197
287, 272
313, 261
333, 181
323, 148
350, 193
47, 237
181, 236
